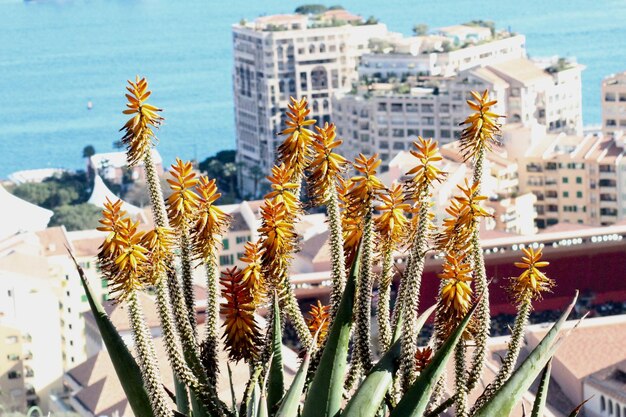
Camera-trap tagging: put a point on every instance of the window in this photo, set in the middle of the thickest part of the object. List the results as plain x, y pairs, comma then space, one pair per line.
13, 357
104, 283
241, 239
10, 340
83, 298
14, 375
225, 244
579, 180
565, 180
227, 259
565, 194
579, 194
105, 297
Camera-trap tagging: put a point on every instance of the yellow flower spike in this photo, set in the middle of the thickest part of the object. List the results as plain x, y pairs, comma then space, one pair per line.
182, 203
138, 133
283, 188
210, 222
111, 216
252, 273
294, 151
364, 186
326, 165
241, 334
319, 316
483, 129
160, 243
532, 281
392, 223
456, 294
426, 172
278, 240
470, 202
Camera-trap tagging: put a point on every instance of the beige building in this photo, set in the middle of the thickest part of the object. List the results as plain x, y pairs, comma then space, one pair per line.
279, 56
13, 391
614, 104
577, 179
386, 117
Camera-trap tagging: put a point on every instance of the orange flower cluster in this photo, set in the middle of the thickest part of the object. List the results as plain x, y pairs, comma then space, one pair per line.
532, 282
456, 294
423, 357
326, 164
464, 210
210, 221
241, 334
392, 222
295, 150
483, 129
138, 133
183, 202
278, 240
129, 258
319, 321
283, 188
363, 187
252, 273
426, 172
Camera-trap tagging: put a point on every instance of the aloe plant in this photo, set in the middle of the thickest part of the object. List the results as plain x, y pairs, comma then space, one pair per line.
368, 223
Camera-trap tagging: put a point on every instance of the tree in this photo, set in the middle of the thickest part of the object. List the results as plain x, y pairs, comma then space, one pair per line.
310, 9
78, 217
420, 29
371, 20
89, 151
230, 174
256, 173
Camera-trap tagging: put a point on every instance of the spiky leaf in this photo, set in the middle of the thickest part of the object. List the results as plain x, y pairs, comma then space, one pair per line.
415, 400
371, 393
276, 382
502, 403
542, 393
123, 361
325, 394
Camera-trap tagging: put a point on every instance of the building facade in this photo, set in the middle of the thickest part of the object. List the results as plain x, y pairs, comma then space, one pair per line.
282, 56
614, 104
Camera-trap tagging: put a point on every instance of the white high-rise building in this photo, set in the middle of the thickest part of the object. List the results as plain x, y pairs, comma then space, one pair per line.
279, 56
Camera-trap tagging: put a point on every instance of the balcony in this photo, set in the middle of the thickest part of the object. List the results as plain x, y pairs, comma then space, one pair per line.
608, 197
607, 183
611, 212
534, 168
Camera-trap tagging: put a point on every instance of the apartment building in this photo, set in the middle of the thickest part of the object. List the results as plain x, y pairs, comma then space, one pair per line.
614, 104
41, 295
577, 179
431, 55
279, 56
418, 86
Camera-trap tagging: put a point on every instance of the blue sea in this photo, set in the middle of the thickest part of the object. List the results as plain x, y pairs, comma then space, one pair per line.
58, 55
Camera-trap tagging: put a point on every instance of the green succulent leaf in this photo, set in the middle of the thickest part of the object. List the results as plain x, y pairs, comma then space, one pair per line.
502, 403
276, 382
371, 393
579, 407
326, 390
289, 404
182, 396
415, 400
123, 361
542, 393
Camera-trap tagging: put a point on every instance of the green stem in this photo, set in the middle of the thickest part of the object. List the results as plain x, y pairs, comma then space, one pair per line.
483, 315
187, 279
211, 341
292, 310
338, 272
460, 381
410, 297
147, 358
384, 299
508, 364
363, 307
